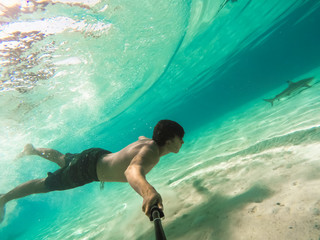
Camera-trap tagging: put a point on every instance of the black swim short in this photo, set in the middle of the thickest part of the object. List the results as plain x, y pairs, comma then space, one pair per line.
79, 170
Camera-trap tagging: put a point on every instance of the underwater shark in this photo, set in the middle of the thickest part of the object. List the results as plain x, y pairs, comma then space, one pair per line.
294, 87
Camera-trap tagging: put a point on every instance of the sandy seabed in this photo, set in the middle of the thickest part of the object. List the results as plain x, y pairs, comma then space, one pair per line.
275, 197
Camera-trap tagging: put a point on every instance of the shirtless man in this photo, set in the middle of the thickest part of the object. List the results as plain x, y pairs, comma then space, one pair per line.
131, 164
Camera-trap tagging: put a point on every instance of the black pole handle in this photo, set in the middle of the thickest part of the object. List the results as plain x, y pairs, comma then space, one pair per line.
156, 215
155, 209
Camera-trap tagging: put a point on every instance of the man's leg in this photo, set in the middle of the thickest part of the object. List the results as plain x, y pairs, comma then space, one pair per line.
25, 189
47, 153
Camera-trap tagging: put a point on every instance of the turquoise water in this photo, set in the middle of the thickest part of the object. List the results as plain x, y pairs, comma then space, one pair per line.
93, 73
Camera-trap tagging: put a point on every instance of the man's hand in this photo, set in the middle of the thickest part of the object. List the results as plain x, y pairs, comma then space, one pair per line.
150, 200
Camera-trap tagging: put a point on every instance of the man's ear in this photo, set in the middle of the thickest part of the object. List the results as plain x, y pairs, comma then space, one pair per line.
168, 142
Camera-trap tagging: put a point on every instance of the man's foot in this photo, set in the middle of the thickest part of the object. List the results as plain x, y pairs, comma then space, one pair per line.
28, 150
2, 209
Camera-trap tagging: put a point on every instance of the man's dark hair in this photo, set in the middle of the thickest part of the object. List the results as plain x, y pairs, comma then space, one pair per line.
166, 130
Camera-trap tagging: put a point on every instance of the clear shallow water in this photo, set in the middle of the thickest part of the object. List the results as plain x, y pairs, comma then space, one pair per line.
100, 73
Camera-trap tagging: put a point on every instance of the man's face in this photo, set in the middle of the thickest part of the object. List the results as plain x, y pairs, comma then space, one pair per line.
175, 144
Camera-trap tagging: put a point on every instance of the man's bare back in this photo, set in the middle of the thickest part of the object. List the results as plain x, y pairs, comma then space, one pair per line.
112, 167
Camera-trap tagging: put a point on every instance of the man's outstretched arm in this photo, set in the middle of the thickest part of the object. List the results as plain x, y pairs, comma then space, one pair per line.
141, 164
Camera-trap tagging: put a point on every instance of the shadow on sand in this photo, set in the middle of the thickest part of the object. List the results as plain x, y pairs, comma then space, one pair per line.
211, 219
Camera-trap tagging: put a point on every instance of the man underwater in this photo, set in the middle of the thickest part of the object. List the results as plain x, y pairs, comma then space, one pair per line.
130, 164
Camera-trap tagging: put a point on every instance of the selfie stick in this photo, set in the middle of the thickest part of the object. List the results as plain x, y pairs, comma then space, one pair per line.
156, 215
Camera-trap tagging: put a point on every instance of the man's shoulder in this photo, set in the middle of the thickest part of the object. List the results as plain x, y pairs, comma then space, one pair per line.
148, 146
143, 138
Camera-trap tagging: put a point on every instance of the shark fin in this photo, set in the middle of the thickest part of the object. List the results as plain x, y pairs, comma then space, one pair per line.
269, 100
